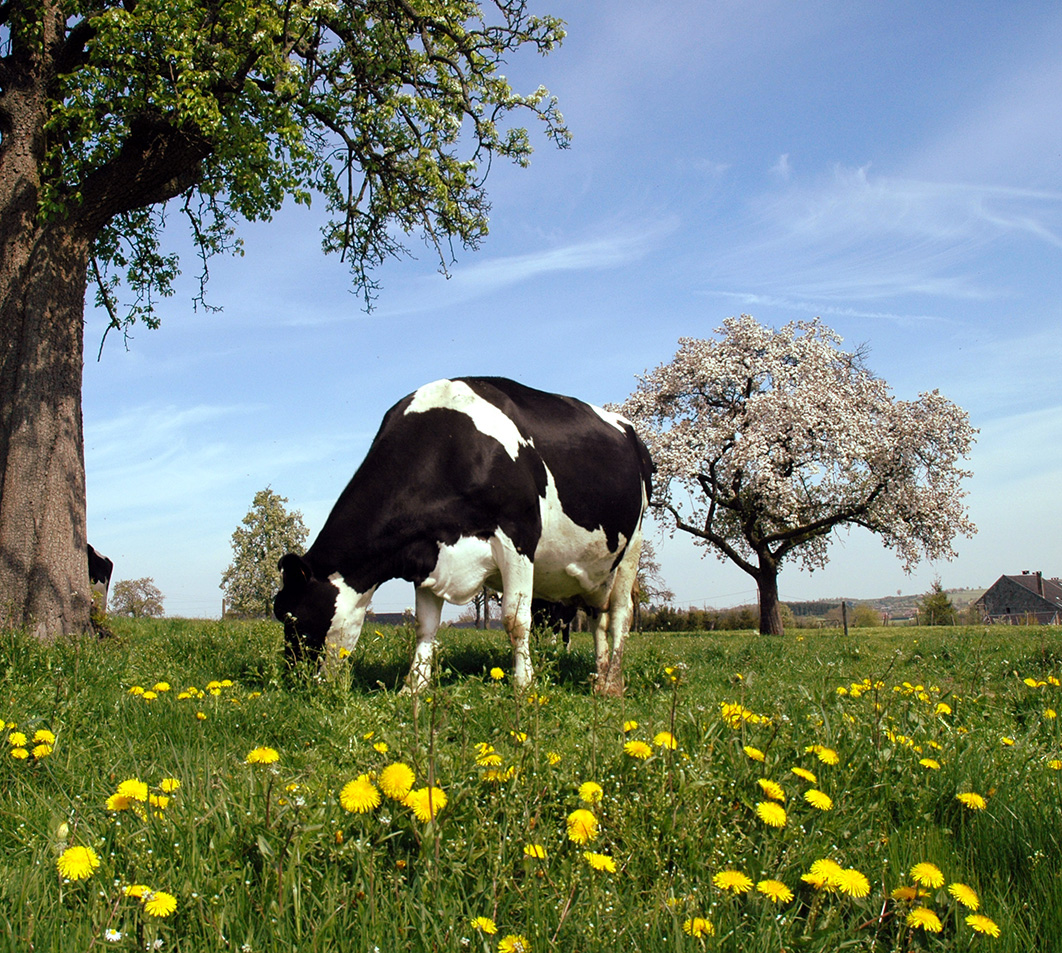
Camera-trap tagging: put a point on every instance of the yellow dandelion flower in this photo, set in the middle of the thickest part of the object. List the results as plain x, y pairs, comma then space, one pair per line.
20, 754
943, 708
213, 685
1050, 713
771, 813
535, 851
582, 826
629, 726
664, 739
906, 893
591, 792
158, 800
136, 690
967, 896
928, 875
924, 918
169, 785
601, 862
973, 801
824, 874
161, 687
827, 755
137, 891
754, 753
44, 736
698, 928
262, 756
488, 757
396, 780
553, 758
1006, 741
775, 891
497, 674
771, 788
158, 903
805, 774
733, 881
201, 715
150, 695
484, 925
118, 802
1055, 764
519, 737
818, 799
360, 795
638, 749
982, 924
497, 775
381, 747
853, 883
17, 739
134, 789
514, 943
426, 803
41, 751
931, 763
77, 863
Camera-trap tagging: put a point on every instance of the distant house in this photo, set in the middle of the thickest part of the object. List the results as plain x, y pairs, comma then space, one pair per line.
1022, 599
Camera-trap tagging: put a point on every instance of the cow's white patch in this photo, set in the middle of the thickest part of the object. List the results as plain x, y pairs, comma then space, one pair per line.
461, 570
348, 618
571, 560
457, 395
609, 417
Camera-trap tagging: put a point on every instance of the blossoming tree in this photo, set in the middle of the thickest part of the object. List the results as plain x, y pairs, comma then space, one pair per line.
766, 441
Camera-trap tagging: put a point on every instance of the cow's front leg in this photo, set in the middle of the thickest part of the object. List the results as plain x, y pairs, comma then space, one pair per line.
429, 613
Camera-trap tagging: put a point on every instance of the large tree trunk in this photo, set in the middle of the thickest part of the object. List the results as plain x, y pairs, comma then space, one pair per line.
770, 607
43, 566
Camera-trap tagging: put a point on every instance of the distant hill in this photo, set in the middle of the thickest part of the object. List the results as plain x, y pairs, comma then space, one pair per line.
898, 607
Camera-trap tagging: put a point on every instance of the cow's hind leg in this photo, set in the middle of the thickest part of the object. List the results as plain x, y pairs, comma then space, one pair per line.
620, 614
517, 572
429, 613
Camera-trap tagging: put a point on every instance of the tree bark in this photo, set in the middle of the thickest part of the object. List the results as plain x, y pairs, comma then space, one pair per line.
44, 582
770, 607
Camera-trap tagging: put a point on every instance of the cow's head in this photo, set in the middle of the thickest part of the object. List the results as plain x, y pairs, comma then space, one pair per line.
306, 605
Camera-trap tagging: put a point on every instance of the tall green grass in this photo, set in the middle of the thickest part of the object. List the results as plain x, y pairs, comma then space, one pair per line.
892, 724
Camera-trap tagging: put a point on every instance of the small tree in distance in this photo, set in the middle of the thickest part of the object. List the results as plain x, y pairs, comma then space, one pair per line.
936, 607
137, 598
267, 532
766, 441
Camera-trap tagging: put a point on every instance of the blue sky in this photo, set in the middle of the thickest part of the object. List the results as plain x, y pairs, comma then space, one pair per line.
893, 168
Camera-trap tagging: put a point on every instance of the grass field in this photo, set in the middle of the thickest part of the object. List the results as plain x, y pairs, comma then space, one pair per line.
176, 788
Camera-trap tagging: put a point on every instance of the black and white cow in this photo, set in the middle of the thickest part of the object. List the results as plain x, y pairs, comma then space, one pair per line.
100, 569
475, 481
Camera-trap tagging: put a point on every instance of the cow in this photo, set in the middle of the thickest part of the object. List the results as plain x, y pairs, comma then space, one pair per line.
99, 570
479, 481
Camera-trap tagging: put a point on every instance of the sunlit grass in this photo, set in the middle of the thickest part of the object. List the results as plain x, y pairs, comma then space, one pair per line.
747, 794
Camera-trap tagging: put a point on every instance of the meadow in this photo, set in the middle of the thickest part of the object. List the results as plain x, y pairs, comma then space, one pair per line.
176, 787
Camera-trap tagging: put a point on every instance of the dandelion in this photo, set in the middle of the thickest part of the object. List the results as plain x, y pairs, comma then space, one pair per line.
827, 755
519, 737
20, 754
497, 775
754, 753
381, 747
973, 801
732, 880
629, 726
44, 736
161, 687
771, 788
1006, 741
77, 863
1050, 713
514, 943
160, 904
262, 756
484, 925
818, 799
638, 749
982, 924
497, 674
535, 851
928, 875
201, 715
582, 826
906, 893
967, 896
771, 813
591, 792
824, 874
925, 918
664, 739
775, 891
487, 757
553, 758
805, 774
360, 795
169, 785
698, 928
1055, 764
853, 883
396, 780
601, 862
426, 803
17, 739
931, 763
137, 891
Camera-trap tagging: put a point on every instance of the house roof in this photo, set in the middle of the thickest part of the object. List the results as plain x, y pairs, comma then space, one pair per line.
1033, 581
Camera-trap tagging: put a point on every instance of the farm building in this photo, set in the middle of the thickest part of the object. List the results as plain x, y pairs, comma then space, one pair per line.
1021, 599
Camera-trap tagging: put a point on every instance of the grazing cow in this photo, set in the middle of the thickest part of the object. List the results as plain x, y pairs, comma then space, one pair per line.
555, 617
475, 481
99, 569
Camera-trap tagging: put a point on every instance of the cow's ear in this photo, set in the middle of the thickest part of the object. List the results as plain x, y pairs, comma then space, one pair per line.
295, 571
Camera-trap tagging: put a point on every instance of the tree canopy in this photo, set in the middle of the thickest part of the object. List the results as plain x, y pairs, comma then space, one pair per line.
767, 441
114, 115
